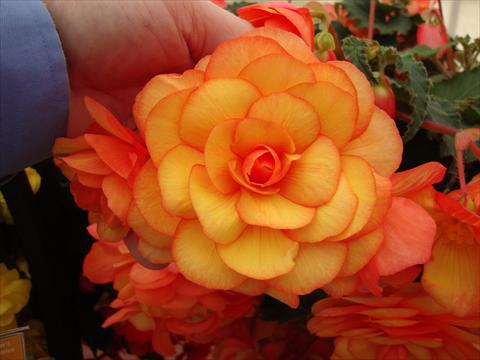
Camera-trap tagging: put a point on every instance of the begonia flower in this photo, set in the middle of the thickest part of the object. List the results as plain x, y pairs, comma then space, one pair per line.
101, 165
273, 170
281, 15
406, 324
452, 276
14, 295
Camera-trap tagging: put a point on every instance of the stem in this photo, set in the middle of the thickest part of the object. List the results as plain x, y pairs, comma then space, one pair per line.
461, 170
429, 125
371, 18
338, 47
475, 149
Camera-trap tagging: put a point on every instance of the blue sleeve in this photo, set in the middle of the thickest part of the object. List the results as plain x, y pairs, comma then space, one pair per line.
33, 85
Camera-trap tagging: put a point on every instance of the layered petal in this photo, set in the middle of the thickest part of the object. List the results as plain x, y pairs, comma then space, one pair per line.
452, 276
198, 260
173, 177
118, 194
402, 249
108, 122
140, 226
296, 116
335, 75
272, 73
216, 211
231, 57
315, 266
162, 123
361, 251
251, 133
330, 219
416, 179
362, 182
148, 198
118, 155
87, 161
365, 96
160, 87
213, 102
380, 144
383, 191
218, 154
336, 122
313, 179
273, 211
292, 44
260, 253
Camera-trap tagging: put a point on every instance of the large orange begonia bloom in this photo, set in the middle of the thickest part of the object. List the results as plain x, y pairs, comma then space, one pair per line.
273, 170
452, 276
281, 15
407, 324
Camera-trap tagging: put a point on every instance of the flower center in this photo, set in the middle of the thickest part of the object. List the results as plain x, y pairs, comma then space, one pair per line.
261, 165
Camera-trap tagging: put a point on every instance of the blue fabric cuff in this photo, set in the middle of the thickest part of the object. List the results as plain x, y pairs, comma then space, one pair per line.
33, 84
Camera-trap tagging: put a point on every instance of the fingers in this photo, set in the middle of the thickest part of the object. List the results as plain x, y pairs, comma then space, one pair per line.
205, 25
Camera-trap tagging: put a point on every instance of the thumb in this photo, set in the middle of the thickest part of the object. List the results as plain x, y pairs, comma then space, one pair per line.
207, 25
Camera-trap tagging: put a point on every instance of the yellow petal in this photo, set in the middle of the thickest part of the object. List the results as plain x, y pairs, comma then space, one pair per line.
162, 123
158, 88
140, 226
197, 259
294, 45
361, 251
253, 132
232, 56
452, 276
315, 266
330, 219
276, 73
273, 211
173, 177
146, 193
361, 180
380, 145
216, 211
218, 154
383, 190
336, 109
213, 102
365, 97
313, 179
296, 116
260, 253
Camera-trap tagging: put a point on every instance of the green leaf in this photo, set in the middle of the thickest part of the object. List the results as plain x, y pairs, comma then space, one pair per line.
462, 86
389, 18
233, 7
444, 112
418, 87
355, 50
422, 51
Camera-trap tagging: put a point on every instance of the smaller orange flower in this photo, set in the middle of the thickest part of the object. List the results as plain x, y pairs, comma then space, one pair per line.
101, 165
407, 324
161, 303
282, 15
452, 276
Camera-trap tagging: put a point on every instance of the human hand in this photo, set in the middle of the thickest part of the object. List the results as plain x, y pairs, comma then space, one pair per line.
113, 48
